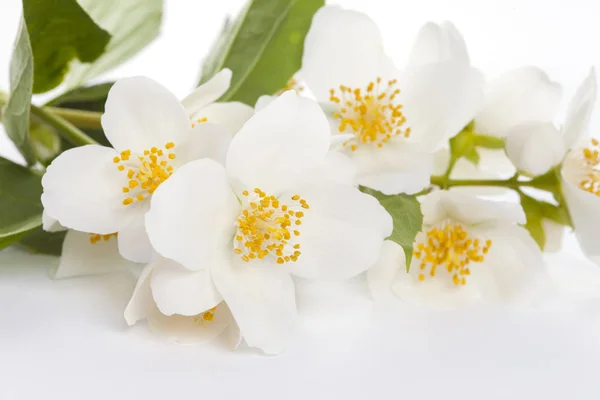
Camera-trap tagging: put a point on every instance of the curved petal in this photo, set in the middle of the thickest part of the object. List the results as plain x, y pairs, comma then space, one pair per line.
279, 144
82, 190
206, 141
439, 101
177, 290
335, 167
554, 234
467, 209
141, 303
83, 256
341, 233
514, 265
50, 224
394, 168
522, 95
191, 329
192, 215
534, 147
262, 301
208, 92
342, 47
580, 110
438, 43
134, 244
232, 115
263, 101
382, 275
140, 114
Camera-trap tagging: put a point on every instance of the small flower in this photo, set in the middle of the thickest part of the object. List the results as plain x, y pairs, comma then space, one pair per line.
201, 105
282, 206
468, 248
390, 123
85, 253
536, 147
107, 190
200, 321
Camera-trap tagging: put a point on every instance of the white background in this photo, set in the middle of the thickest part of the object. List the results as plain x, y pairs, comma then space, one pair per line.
68, 340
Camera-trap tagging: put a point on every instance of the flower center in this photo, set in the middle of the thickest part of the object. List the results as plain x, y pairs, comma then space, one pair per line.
268, 227
145, 176
292, 84
591, 158
452, 249
372, 115
199, 121
95, 238
207, 316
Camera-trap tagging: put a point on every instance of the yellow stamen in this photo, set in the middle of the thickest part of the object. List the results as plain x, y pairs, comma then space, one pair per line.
95, 238
591, 159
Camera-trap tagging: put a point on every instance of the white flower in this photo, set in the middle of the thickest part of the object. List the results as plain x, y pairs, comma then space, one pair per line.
201, 105
536, 147
392, 122
152, 300
282, 206
84, 253
469, 248
107, 190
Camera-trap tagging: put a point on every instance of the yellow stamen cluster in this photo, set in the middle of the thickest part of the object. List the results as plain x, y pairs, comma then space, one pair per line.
95, 238
268, 227
292, 84
206, 316
199, 121
450, 248
591, 156
145, 176
372, 115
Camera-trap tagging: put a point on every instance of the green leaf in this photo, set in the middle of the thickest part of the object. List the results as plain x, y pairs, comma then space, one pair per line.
40, 241
16, 113
263, 47
20, 205
44, 140
536, 211
60, 31
406, 213
133, 24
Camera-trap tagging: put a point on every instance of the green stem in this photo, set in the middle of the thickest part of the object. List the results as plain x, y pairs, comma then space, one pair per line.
79, 118
511, 183
69, 131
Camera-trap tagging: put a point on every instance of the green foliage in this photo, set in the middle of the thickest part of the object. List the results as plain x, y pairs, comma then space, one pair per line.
16, 113
263, 47
20, 206
406, 213
536, 211
42, 242
465, 144
60, 31
132, 24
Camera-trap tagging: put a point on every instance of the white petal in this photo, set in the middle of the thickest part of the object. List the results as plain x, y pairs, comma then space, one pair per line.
583, 206
206, 141
192, 215
191, 329
141, 303
335, 167
554, 234
82, 257
177, 290
467, 209
534, 147
438, 43
262, 301
134, 244
394, 168
263, 101
580, 110
439, 101
230, 115
382, 275
341, 233
140, 113
515, 263
522, 95
279, 144
208, 92
342, 47
50, 224
82, 190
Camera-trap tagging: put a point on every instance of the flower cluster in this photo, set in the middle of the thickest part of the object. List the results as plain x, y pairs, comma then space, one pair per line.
224, 204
